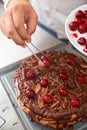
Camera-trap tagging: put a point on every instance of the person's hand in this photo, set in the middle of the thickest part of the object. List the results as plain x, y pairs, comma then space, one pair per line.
18, 21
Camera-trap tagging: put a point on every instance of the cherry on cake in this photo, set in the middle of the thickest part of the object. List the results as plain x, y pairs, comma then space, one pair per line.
53, 92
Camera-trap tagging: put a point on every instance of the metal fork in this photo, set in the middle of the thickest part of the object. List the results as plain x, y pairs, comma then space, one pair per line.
27, 44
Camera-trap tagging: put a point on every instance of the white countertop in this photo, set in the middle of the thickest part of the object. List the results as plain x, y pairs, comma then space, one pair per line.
10, 53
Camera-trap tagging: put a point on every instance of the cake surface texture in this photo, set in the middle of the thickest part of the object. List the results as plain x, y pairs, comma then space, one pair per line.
53, 92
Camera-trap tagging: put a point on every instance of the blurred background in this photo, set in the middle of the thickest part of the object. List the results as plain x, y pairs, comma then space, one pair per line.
1, 7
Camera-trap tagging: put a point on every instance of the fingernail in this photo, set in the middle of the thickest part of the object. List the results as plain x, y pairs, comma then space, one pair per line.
24, 45
28, 40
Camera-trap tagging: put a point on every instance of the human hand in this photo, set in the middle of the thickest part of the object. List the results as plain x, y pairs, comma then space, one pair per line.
17, 14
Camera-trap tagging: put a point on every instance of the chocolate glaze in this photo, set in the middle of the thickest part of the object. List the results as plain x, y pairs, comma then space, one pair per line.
60, 111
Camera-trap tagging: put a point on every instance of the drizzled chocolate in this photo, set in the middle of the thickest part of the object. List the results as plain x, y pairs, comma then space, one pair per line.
55, 95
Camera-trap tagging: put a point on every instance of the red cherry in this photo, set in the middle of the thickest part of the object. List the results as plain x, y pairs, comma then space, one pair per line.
85, 49
71, 61
30, 74
63, 75
85, 12
84, 20
81, 79
82, 28
79, 21
47, 99
30, 94
44, 83
79, 14
86, 24
73, 25
46, 61
81, 41
75, 102
63, 91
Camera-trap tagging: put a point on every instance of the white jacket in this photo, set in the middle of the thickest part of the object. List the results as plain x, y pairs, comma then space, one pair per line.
53, 13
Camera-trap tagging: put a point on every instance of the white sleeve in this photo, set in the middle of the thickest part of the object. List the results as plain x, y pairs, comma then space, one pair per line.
5, 3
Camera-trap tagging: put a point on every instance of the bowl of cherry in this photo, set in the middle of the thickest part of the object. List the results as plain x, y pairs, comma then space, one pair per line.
76, 28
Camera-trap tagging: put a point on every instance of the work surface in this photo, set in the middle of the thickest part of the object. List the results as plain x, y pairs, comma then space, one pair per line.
9, 54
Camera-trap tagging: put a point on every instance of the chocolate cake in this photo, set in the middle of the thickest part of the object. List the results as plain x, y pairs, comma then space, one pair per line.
53, 91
